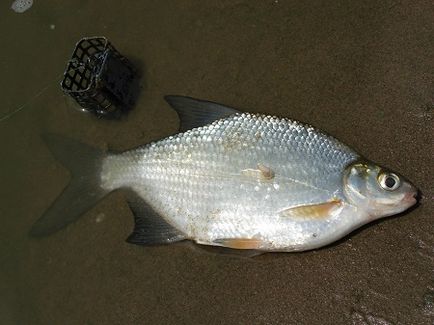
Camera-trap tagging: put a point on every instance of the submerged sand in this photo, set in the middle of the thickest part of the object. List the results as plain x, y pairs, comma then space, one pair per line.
362, 71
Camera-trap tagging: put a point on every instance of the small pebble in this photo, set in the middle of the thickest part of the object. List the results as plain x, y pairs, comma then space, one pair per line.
20, 6
100, 217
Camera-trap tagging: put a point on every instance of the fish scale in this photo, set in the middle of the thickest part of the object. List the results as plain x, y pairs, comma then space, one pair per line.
238, 180
195, 179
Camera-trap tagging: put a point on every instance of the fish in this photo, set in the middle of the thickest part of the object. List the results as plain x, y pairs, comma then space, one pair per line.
242, 181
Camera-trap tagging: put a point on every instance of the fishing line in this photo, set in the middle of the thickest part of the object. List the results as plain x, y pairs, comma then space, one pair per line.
32, 99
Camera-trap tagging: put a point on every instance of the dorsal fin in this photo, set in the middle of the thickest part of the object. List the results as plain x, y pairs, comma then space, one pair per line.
194, 113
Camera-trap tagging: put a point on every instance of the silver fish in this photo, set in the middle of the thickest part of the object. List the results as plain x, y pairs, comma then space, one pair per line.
232, 179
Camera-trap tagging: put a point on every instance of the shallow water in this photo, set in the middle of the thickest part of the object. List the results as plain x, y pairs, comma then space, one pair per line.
360, 71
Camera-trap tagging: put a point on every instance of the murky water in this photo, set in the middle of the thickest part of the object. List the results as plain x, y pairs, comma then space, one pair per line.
361, 71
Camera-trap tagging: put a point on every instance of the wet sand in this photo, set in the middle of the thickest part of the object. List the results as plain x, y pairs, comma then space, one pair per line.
360, 71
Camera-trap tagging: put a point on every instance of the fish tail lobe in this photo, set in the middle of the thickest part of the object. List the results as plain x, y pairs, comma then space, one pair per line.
83, 191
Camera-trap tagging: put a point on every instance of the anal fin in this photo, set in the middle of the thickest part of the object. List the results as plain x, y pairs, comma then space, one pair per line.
149, 227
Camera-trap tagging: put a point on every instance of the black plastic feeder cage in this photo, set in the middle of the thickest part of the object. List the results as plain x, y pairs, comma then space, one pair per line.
99, 78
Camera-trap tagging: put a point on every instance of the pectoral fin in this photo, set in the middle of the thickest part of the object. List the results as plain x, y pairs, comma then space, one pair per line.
313, 211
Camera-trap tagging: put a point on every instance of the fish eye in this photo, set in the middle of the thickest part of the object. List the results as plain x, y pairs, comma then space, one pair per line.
388, 181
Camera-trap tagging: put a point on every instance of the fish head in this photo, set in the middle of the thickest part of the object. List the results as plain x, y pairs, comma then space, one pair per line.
378, 191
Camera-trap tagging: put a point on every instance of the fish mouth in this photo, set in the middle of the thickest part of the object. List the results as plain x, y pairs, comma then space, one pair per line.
412, 197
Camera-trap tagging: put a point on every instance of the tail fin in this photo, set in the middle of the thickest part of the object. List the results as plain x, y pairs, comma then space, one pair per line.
83, 191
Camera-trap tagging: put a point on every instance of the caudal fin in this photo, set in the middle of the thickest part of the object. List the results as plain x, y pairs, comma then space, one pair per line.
83, 190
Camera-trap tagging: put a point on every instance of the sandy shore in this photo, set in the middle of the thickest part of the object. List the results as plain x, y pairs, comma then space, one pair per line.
362, 71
